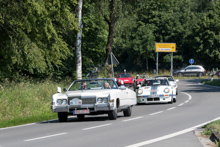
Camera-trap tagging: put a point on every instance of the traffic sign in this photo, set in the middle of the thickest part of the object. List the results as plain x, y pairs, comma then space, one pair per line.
218, 73
165, 47
191, 61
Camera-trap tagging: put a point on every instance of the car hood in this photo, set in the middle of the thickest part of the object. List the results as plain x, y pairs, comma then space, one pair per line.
149, 90
129, 78
80, 93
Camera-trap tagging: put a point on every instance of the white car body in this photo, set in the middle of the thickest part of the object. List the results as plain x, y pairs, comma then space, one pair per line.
172, 81
155, 92
94, 100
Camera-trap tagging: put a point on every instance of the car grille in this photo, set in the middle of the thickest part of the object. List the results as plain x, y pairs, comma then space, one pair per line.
86, 100
153, 99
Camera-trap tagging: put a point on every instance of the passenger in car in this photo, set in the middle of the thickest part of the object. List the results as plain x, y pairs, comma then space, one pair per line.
83, 85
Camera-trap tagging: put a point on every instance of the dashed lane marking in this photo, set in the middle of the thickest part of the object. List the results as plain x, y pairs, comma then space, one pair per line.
156, 113
171, 108
96, 127
133, 118
45, 137
181, 104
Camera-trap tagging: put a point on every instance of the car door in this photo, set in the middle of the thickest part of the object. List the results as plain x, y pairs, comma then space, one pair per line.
188, 71
194, 71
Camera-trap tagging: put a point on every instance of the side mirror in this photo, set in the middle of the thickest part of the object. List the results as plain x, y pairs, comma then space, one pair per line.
64, 89
59, 90
177, 80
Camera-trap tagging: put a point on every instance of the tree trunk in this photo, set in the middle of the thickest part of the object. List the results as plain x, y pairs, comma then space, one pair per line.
78, 42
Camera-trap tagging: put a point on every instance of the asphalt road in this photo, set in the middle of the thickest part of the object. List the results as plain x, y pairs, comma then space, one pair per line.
152, 125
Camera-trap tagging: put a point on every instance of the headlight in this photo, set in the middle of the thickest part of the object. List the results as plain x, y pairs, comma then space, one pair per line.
59, 101
166, 90
105, 100
99, 100
119, 80
64, 102
140, 91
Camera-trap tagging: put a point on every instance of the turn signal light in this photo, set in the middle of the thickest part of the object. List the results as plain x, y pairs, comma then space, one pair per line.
111, 101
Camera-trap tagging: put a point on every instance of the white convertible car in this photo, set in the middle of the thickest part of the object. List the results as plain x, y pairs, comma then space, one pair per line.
156, 90
91, 97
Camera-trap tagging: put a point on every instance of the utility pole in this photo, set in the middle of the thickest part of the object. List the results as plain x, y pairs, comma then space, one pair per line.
78, 41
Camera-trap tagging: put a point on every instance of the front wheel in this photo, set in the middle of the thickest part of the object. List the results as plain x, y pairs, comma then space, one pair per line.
128, 111
62, 116
112, 115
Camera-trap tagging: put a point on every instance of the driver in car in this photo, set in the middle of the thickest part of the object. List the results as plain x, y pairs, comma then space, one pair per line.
107, 86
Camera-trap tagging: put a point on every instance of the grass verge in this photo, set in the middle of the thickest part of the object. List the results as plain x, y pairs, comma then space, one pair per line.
214, 126
27, 102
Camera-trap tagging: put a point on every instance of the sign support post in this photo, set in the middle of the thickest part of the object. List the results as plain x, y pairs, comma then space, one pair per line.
157, 64
165, 47
172, 64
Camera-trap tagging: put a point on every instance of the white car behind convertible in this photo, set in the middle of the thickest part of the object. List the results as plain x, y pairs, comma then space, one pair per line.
91, 97
156, 90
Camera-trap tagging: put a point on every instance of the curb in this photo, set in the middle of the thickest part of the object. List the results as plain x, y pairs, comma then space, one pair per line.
216, 136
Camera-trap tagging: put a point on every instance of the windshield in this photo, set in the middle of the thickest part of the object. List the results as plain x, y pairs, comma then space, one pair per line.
170, 78
93, 85
156, 82
123, 75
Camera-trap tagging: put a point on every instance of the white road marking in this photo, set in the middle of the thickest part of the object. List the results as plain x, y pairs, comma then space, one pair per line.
190, 97
96, 127
133, 118
156, 113
170, 135
186, 101
171, 108
17, 126
181, 104
45, 137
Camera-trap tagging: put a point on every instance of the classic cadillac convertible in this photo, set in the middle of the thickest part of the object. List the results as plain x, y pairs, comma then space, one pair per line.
156, 90
91, 97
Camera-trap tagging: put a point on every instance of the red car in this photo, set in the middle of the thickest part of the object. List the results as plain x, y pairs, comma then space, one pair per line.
126, 78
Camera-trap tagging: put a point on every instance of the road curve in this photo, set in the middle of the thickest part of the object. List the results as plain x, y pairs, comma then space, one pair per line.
150, 125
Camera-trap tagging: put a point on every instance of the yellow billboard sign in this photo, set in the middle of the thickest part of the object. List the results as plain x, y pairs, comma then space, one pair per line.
165, 47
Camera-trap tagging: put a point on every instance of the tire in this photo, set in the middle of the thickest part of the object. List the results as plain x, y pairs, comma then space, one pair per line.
112, 115
62, 116
199, 74
81, 116
180, 75
128, 111
174, 100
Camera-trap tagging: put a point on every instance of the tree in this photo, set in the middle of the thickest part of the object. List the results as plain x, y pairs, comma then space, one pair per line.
31, 35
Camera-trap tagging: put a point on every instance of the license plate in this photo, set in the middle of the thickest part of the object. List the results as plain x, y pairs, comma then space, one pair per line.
85, 111
152, 96
75, 102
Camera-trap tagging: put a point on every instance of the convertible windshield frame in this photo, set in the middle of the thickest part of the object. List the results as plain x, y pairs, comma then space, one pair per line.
93, 84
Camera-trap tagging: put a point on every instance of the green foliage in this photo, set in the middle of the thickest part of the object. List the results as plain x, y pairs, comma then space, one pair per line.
27, 101
31, 35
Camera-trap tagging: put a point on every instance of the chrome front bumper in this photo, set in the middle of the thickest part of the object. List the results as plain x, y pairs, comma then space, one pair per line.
94, 107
